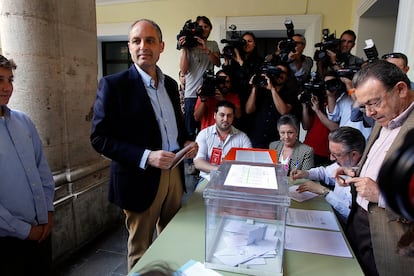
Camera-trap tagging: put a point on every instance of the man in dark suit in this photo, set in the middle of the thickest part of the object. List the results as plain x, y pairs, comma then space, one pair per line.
383, 90
137, 124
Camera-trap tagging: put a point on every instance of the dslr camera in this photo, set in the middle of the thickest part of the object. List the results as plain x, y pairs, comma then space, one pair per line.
267, 69
287, 45
329, 42
190, 31
234, 42
211, 83
335, 85
314, 87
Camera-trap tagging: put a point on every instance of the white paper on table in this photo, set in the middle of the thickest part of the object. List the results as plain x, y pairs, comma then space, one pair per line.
251, 177
312, 218
243, 233
234, 256
300, 197
316, 241
193, 268
254, 156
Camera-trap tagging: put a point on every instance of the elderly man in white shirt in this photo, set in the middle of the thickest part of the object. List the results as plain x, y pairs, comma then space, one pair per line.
346, 145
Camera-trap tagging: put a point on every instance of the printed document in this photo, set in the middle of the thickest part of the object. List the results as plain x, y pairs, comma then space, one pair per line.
312, 218
251, 177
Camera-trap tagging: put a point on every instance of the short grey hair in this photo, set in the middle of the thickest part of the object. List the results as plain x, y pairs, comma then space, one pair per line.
155, 25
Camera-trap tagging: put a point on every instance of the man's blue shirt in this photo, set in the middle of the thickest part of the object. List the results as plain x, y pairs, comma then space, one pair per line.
26, 182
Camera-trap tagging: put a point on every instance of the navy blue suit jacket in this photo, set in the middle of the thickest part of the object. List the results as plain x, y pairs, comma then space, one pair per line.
124, 125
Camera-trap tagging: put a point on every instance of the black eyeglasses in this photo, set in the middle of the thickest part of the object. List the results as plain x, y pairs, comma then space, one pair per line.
392, 55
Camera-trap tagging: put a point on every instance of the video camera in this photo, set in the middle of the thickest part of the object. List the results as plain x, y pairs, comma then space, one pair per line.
396, 179
314, 87
267, 69
287, 45
190, 31
329, 42
234, 42
211, 83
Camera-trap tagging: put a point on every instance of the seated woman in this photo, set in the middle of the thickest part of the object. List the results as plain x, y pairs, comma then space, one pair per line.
290, 151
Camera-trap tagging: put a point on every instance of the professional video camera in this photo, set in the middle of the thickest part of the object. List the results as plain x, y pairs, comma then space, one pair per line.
211, 83
370, 50
267, 69
314, 87
234, 42
190, 31
287, 45
329, 42
396, 179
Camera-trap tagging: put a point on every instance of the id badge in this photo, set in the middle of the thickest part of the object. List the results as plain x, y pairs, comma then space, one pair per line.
215, 158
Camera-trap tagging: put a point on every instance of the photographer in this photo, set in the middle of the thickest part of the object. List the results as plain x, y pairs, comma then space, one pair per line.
344, 58
299, 64
194, 61
241, 63
270, 98
315, 120
221, 90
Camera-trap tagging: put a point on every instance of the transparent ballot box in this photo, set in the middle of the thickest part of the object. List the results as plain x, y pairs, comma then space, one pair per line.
246, 207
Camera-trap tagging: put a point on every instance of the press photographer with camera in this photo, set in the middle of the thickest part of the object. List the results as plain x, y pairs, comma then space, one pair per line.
334, 54
269, 99
373, 231
197, 55
315, 121
299, 64
344, 58
241, 61
215, 88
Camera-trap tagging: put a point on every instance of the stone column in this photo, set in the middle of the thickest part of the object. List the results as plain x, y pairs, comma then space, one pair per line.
54, 45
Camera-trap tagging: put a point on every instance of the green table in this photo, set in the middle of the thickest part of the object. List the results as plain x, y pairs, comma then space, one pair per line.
183, 239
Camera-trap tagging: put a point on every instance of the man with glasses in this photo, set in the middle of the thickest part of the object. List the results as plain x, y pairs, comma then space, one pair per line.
374, 230
267, 102
346, 145
400, 60
300, 64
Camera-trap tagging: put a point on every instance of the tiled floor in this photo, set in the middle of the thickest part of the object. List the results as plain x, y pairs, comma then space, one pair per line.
107, 254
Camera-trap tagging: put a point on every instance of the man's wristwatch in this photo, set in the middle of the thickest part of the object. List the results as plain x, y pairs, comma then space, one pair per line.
325, 191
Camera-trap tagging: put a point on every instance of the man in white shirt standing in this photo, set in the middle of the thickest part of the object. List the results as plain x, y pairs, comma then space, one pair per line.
216, 141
